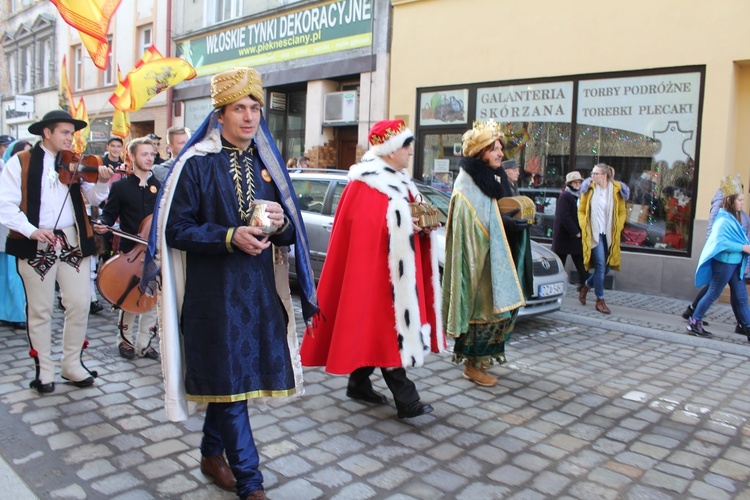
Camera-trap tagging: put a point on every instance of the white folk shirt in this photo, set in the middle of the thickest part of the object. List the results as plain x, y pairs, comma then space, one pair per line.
55, 200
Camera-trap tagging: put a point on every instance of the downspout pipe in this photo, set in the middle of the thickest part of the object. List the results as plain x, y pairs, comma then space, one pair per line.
170, 101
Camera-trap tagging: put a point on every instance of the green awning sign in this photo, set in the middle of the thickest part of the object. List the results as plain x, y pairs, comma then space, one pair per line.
322, 29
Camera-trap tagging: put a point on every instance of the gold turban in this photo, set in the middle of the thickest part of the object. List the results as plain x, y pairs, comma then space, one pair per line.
480, 136
235, 84
731, 184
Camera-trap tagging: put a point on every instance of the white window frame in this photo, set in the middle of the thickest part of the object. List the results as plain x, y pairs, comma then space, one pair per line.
216, 12
108, 74
78, 67
145, 39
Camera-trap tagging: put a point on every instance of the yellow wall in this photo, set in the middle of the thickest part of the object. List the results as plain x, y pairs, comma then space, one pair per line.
442, 42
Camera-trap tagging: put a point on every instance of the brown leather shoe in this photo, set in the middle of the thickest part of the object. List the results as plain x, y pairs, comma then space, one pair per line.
256, 495
602, 307
479, 376
582, 294
217, 468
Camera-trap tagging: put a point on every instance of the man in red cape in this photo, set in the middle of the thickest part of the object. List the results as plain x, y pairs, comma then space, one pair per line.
379, 291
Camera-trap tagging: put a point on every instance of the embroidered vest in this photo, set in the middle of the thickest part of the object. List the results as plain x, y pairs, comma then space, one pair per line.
32, 167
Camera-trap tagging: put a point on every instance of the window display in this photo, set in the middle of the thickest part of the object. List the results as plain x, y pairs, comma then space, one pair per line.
644, 124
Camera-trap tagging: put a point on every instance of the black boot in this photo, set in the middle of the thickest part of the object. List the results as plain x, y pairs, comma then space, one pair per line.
689, 312
695, 327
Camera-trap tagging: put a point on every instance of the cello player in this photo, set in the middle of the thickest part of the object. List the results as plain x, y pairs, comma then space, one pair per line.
52, 239
132, 199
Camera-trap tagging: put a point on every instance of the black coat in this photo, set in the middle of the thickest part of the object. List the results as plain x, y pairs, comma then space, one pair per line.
131, 203
565, 227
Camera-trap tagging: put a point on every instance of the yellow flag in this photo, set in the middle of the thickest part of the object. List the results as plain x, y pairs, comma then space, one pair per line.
120, 119
65, 98
121, 124
157, 76
148, 79
91, 18
122, 97
80, 138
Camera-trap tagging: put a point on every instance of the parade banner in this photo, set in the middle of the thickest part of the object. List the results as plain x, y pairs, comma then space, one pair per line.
316, 30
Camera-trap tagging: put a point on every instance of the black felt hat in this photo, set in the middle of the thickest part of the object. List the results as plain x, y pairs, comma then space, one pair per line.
56, 116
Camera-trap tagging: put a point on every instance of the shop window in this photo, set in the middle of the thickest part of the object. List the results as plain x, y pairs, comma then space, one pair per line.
441, 154
643, 124
646, 128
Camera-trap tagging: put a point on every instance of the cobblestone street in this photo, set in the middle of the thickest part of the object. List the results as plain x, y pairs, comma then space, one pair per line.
588, 406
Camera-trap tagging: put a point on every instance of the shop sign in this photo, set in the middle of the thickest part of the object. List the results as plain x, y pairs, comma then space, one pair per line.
316, 30
662, 107
536, 102
19, 110
444, 107
196, 110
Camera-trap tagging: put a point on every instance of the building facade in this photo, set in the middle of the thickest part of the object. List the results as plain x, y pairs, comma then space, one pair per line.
324, 65
572, 88
136, 25
35, 42
29, 79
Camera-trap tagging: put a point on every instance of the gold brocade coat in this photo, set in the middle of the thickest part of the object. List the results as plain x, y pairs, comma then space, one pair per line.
480, 284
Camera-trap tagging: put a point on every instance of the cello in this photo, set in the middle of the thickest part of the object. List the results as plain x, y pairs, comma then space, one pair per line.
119, 279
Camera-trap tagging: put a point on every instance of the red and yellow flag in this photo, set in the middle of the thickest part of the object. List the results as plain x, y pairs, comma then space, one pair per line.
65, 98
151, 54
91, 18
80, 138
120, 119
155, 77
152, 75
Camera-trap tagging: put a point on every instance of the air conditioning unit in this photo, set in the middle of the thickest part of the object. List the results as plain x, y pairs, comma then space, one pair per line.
341, 108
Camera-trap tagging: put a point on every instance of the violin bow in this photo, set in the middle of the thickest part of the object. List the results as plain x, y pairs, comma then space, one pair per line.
127, 236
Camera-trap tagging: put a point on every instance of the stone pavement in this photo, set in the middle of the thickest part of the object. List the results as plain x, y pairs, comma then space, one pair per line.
588, 406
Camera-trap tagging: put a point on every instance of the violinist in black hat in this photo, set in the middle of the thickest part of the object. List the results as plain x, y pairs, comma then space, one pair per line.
52, 239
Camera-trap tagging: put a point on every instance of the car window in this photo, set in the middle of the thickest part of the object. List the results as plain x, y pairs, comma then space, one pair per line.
311, 194
337, 190
441, 200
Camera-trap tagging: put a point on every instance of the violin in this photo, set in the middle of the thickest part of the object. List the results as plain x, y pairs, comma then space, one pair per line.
72, 167
118, 279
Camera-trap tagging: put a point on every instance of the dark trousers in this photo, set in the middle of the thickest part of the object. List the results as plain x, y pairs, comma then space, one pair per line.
404, 391
577, 259
227, 428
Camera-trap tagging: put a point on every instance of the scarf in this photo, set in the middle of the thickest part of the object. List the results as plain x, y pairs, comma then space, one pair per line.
575, 192
595, 207
492, 184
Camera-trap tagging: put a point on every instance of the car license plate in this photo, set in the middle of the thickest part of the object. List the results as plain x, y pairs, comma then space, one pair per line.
551, 289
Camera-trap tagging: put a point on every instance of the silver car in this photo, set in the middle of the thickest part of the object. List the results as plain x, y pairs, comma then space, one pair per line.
319, 191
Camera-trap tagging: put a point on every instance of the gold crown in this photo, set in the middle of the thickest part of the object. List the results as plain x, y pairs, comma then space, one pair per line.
481, 135
731, 184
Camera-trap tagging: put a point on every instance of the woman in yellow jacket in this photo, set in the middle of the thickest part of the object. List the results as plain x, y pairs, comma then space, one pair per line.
601, 215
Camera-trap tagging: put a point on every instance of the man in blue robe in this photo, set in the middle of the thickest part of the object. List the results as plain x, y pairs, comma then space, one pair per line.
217, 276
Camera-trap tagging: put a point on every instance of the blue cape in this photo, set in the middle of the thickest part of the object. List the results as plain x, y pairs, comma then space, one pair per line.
726, 233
